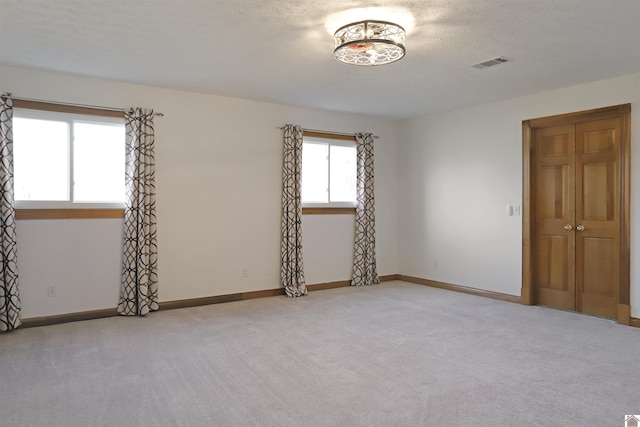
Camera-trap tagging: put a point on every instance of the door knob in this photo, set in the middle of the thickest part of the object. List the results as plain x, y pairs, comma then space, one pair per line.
581, 227
568, 227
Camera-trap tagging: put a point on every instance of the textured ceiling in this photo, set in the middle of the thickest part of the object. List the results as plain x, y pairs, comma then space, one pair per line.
281, 50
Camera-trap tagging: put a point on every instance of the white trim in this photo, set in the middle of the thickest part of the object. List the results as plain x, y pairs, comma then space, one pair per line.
329, 143
28, 204
329, 205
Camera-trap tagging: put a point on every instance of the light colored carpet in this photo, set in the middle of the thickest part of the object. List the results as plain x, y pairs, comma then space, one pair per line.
394, 354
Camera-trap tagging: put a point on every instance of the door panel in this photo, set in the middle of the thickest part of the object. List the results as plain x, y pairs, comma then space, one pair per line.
599, 274
554, 246
553, 192
597, 192
552, 272
599, 140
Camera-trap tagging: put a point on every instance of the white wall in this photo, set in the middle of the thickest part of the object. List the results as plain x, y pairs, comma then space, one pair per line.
218, 183
218, 179
460, 169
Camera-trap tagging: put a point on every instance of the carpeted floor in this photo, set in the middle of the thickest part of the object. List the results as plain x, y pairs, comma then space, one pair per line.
394, 354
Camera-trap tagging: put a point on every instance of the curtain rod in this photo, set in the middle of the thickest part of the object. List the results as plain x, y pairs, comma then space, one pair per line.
70, 104
328, 132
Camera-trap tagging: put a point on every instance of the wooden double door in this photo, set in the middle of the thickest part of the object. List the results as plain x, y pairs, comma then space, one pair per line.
577, 213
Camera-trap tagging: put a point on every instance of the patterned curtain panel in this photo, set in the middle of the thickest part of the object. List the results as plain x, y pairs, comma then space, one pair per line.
364, 257
291, 271
9, 297
139, 292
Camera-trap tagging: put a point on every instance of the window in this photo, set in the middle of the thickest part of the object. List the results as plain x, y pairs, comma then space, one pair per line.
328, 172
65, 160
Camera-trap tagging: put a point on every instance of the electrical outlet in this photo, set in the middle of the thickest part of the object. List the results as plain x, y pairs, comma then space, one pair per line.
51, 290
436, 264
267, 271
516, 209
245, 272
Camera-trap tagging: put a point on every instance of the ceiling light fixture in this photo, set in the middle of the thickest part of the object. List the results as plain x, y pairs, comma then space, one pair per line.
369, 43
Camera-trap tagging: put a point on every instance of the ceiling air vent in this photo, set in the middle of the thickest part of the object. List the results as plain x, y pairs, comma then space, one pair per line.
491, 62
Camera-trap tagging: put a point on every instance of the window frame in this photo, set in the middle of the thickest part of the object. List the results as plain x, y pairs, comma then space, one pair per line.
66, 209
329, 208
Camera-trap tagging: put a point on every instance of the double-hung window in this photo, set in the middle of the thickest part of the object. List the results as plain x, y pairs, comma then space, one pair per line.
67, 160
328, 172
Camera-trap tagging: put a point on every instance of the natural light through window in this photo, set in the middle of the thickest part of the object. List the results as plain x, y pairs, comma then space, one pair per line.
315, 172
40, 159
67, 160
342, 175
98, 162
328, 173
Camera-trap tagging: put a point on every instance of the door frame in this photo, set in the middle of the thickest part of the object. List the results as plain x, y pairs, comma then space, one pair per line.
623, 111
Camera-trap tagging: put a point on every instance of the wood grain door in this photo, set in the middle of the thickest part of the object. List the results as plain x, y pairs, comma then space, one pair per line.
597, 220
554, 241
576, 216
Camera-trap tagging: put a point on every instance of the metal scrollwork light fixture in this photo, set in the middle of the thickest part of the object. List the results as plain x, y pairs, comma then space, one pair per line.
369, 43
